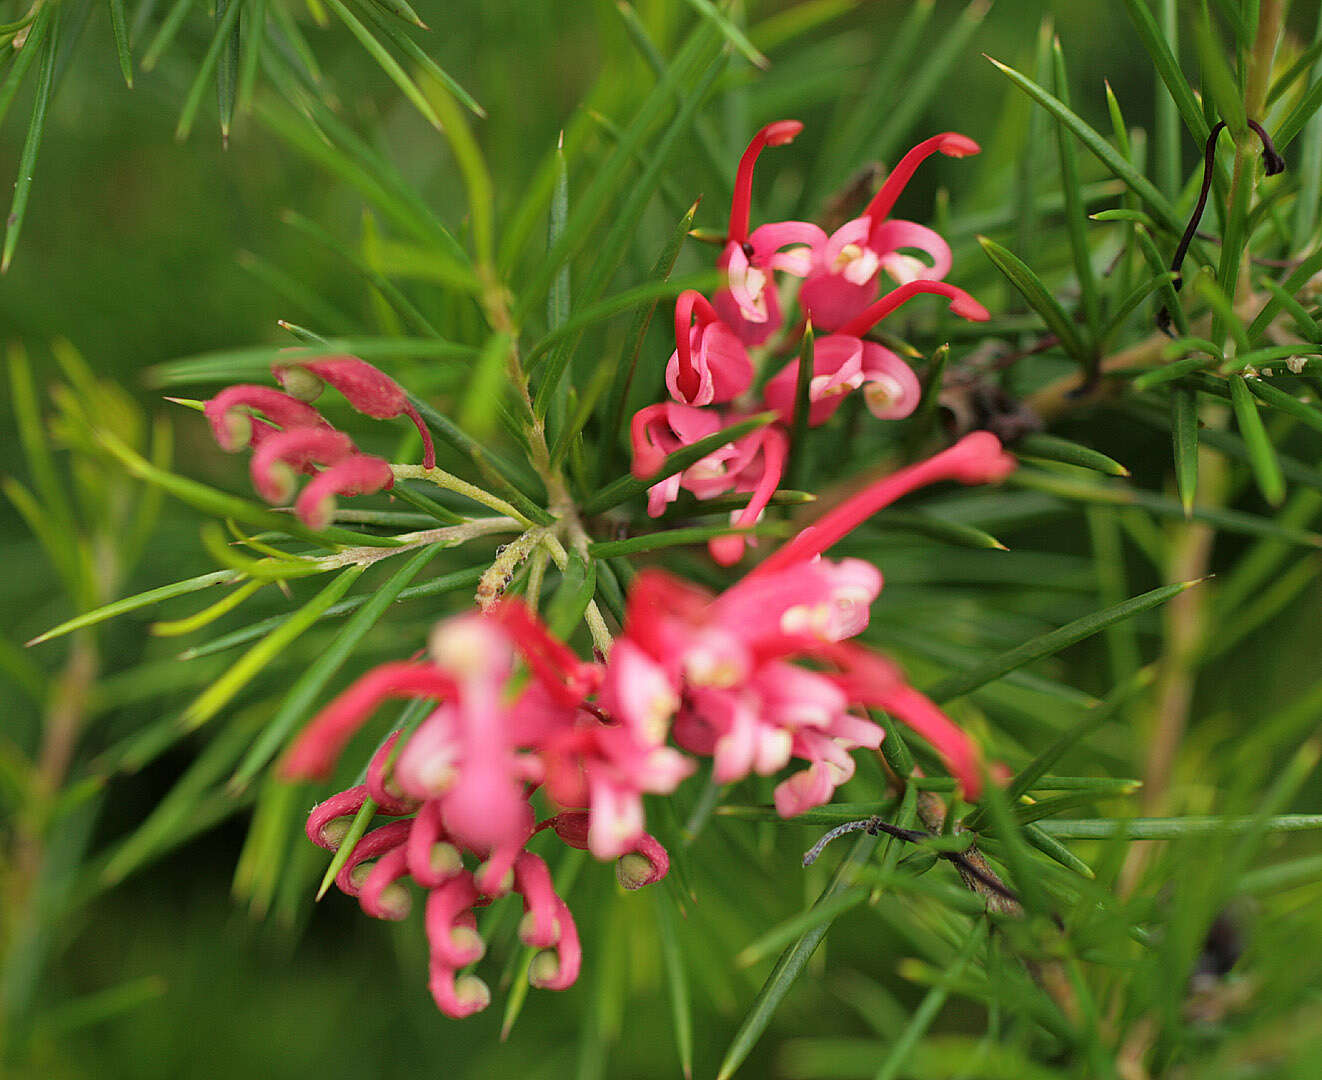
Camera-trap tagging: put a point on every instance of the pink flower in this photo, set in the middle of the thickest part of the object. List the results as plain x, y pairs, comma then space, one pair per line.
659, 430
230, 413
357, 474
841, 364
709, 363
846, 268
748, 303
761, 476
368, 389
298, 449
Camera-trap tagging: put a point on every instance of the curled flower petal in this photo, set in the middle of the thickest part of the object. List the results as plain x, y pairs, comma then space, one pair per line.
891, 390
358, 474
432, 859
540, 927
890, 236
728, 550
330, 820
367, 388
451, 936
372, 846
230, 413
646, 863
837, 369
382, 896
457, 998
557, 969
280, 455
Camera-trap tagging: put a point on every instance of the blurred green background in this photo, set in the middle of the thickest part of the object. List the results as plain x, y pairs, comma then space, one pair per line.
133, 251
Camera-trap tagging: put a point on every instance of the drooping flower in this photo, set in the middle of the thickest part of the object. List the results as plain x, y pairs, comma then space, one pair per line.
846, 267
368, 389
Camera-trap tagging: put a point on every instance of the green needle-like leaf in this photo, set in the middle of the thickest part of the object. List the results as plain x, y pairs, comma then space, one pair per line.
1175, 828
1050, 643
732, 33
220, 40
246, 668
1262, 455
27, 161
677, 986
1038, 297
133, 603
350, 841
791, 963
388, 63
1287, 403
25, 57
416, 53
1101, 149
227, 69
799, 460
622, 379
697, 534
1052, 448
1184, 439
119, 27
948, 532
1075, 210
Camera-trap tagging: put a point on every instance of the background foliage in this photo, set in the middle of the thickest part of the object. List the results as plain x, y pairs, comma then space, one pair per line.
138, 251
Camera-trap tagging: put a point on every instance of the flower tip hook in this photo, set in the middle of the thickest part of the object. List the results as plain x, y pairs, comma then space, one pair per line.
955, 145
784, 131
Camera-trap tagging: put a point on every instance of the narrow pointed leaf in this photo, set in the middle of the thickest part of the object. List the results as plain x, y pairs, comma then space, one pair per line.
220, 40
446, 583
731, 32
1287, 403
1052, 642
949, 532
119, 27
247, 667
677, 986
790, 965
1038, 297
1174, 828
27, 161
1100, 148
1262, 455
227, 69
1053, 448
417, 54
350, 840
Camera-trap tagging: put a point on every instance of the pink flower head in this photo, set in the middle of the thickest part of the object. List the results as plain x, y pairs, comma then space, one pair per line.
709, 363
842, 363
357, 474
280, 455
748, 303
659, 430
367, 388
846, 268
230, 413
762, 476
837, 369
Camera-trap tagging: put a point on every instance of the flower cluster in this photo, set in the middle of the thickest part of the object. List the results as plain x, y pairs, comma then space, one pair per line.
712, 366
290, 436
726, 676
